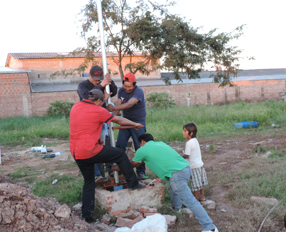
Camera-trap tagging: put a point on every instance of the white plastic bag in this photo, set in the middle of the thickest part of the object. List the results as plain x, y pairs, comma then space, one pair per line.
153, 223
123, 229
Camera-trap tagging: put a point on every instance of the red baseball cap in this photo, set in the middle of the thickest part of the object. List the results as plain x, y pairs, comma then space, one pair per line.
130, 77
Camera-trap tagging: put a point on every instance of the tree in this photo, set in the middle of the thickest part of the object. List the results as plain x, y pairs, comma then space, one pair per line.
148, 27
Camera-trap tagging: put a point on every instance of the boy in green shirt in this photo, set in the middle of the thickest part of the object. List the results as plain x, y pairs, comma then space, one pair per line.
167, 164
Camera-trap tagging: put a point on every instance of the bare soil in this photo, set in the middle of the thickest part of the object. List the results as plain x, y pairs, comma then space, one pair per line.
229, 155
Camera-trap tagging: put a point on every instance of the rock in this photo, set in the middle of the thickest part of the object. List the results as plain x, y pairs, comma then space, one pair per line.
21, 210
63, 212
115, 213
266, 154
171, 220
122, 222
138, 219
77, 207
208, 204
145, 209
222, 163
188, 211
228, 185
130, 215
266, 200
106, 219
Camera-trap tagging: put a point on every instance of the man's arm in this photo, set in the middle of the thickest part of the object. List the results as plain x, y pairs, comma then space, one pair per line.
137, 164
133, 163
124, 121
184, 156
82, 91
115, 112
124, 106
107, 81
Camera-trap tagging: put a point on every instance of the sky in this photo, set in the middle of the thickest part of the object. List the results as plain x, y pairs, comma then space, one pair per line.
53, 26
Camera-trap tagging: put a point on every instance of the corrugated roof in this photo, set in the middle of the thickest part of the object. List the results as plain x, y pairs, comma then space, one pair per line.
52, 55
13, 70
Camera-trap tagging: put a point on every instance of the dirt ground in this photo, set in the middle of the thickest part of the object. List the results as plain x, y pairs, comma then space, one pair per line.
229, 155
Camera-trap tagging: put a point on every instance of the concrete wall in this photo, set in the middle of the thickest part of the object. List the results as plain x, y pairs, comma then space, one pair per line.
16, 98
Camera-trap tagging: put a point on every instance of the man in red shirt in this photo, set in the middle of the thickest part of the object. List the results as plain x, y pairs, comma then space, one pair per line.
86, 120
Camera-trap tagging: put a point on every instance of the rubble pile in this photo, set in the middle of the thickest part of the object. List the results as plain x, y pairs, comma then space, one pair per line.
21, 210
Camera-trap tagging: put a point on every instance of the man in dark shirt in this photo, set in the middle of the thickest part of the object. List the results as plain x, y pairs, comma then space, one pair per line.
96, 81
131, 101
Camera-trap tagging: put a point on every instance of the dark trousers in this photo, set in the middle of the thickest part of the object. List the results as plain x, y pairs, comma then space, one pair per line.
86, 166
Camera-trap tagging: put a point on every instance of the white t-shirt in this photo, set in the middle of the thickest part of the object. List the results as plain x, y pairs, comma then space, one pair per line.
194, 151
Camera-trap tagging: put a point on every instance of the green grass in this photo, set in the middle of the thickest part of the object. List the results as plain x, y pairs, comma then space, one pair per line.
31, 131
167, 124
164, 124
67, 190
268, 181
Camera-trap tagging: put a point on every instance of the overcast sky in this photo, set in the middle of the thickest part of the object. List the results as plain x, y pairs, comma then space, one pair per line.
51, 26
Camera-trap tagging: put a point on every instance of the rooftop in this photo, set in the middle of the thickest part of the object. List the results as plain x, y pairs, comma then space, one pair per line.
53, 55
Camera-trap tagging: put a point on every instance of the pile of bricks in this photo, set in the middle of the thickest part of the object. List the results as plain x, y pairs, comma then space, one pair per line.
132, 216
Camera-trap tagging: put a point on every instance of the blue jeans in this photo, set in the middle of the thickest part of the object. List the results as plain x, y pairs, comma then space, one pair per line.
181, 194
123, 137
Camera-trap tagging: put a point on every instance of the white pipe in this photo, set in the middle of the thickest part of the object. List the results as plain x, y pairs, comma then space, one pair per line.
105, 71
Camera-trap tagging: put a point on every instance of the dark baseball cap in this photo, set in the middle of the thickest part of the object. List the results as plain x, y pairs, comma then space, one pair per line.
97, 94
96, 73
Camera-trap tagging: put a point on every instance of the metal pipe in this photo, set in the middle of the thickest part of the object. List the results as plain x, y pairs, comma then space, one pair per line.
105, 71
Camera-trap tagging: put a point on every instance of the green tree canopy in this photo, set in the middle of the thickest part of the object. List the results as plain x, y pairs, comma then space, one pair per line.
148, 27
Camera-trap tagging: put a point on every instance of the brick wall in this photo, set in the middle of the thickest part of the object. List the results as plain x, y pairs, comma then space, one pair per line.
17, 100
15, 95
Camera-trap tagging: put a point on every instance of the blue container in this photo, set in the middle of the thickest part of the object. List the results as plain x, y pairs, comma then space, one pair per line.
246, 124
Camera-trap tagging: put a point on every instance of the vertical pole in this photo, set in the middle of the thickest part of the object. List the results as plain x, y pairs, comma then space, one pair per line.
105, 71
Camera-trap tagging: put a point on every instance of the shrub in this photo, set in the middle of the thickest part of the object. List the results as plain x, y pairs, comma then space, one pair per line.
160, 100
59, 108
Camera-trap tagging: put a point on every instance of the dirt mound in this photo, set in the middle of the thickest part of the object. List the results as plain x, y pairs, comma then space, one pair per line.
5, 179
21, 210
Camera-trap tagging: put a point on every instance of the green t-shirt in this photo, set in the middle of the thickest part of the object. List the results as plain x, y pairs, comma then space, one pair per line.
161, 159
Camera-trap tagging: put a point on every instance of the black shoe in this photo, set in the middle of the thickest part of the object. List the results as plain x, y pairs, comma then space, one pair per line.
139, 186
88, 220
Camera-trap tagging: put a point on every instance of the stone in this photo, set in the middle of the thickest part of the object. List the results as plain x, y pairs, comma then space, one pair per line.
115, 213
188, 212
138, 219
171, 220
106, 219
121, 200
208, 204
63, 211
145, 209
130, 215
77, 207
266, 154
266, 200
122, 222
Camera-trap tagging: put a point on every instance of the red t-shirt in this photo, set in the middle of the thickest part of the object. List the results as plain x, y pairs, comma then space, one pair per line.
86, 120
